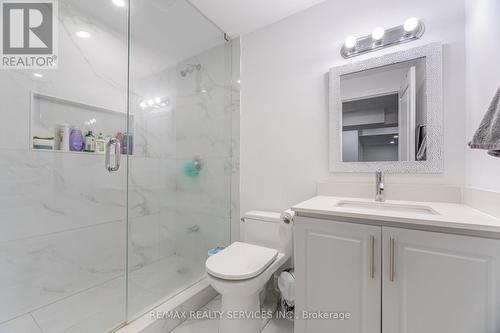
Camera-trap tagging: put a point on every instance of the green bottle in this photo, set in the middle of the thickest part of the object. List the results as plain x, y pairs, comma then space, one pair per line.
90, 142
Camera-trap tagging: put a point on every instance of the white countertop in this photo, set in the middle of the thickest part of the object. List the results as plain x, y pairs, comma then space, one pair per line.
451, 217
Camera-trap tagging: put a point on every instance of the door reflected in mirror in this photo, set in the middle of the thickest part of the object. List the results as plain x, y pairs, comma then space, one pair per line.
384, 116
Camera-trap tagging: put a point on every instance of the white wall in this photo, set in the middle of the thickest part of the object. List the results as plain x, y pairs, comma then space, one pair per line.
483, 78
284, 125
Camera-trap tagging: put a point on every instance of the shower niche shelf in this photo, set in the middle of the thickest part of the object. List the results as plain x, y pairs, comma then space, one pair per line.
47, 112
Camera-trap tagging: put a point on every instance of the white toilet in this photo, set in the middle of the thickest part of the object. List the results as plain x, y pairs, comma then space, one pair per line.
240, 272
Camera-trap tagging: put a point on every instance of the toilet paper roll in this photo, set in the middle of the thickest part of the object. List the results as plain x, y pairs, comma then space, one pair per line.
288, 216
286, 285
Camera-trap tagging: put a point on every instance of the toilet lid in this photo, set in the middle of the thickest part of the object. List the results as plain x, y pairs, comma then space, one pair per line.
240, 261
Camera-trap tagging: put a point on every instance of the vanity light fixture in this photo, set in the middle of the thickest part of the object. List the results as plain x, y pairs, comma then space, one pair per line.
410, 24
350, 42
380, 38
83, 34
378, 33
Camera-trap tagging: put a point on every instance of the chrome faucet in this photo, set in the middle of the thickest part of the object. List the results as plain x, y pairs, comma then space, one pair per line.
380, 197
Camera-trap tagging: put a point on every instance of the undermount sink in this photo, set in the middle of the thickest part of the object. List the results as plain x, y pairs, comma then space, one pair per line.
384, 206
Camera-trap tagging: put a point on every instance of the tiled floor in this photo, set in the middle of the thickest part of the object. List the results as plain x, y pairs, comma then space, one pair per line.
100, 308
211, 326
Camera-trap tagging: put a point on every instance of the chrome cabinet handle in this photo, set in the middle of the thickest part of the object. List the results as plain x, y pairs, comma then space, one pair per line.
108, 166
372, 257
392, 263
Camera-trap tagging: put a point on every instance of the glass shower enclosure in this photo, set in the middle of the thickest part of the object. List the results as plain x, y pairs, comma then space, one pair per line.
87, 246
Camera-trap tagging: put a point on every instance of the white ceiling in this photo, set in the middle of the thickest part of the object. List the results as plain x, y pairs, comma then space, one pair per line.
237, 17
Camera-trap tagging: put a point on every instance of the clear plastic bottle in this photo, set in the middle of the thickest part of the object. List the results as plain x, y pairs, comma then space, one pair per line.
100, 144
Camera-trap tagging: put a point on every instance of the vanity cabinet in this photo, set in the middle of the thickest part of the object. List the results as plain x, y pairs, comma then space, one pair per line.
395, 280
337, 267
441, 283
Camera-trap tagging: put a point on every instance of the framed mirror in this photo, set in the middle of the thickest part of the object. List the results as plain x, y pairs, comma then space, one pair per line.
386, 113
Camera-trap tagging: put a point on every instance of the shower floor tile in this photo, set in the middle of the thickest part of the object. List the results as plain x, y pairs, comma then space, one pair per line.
22, 324
160, 280
100, 308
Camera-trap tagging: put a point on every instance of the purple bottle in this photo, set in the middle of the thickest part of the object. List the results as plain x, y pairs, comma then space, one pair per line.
76, 141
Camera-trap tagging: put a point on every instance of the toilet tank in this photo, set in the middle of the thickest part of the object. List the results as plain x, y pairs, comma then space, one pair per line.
267, 229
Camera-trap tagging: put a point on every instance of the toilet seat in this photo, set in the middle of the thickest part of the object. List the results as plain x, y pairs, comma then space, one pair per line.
240, 261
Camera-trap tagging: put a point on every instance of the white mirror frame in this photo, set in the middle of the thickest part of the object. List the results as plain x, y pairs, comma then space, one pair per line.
434, 83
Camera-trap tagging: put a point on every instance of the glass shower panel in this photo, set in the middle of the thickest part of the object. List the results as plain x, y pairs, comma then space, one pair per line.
180, 172
62, 214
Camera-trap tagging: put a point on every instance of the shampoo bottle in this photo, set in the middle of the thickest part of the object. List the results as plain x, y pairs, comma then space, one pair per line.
90, 142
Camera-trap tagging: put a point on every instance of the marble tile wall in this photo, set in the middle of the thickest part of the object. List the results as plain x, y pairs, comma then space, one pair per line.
62, 230
204, 129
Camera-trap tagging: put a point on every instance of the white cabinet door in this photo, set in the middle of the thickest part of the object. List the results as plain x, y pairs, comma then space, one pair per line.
441, 283
337, 270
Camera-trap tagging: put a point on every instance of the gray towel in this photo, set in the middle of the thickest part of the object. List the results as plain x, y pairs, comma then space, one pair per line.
422, 151
488, 134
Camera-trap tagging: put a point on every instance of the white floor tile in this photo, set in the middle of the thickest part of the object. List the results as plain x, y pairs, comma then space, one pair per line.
215, 304
279, 326
211, 326
24, 324
198, 326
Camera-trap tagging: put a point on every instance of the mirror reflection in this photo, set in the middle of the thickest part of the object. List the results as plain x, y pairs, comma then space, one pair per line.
384, 114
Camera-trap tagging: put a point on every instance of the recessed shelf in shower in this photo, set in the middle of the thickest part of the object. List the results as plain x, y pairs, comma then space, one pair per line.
48, 112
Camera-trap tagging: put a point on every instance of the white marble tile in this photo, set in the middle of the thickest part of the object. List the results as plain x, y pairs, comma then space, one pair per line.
15, 105
215, 304
191, 299
152, 185
98, 309
160, 280
154, 134
198, 326
203, 124
209, 192
212, 326
279, 326
196, 233
144, 240
92, 75
41, 270
203, 112
167, 232
23, 324
144, 187
46, 192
